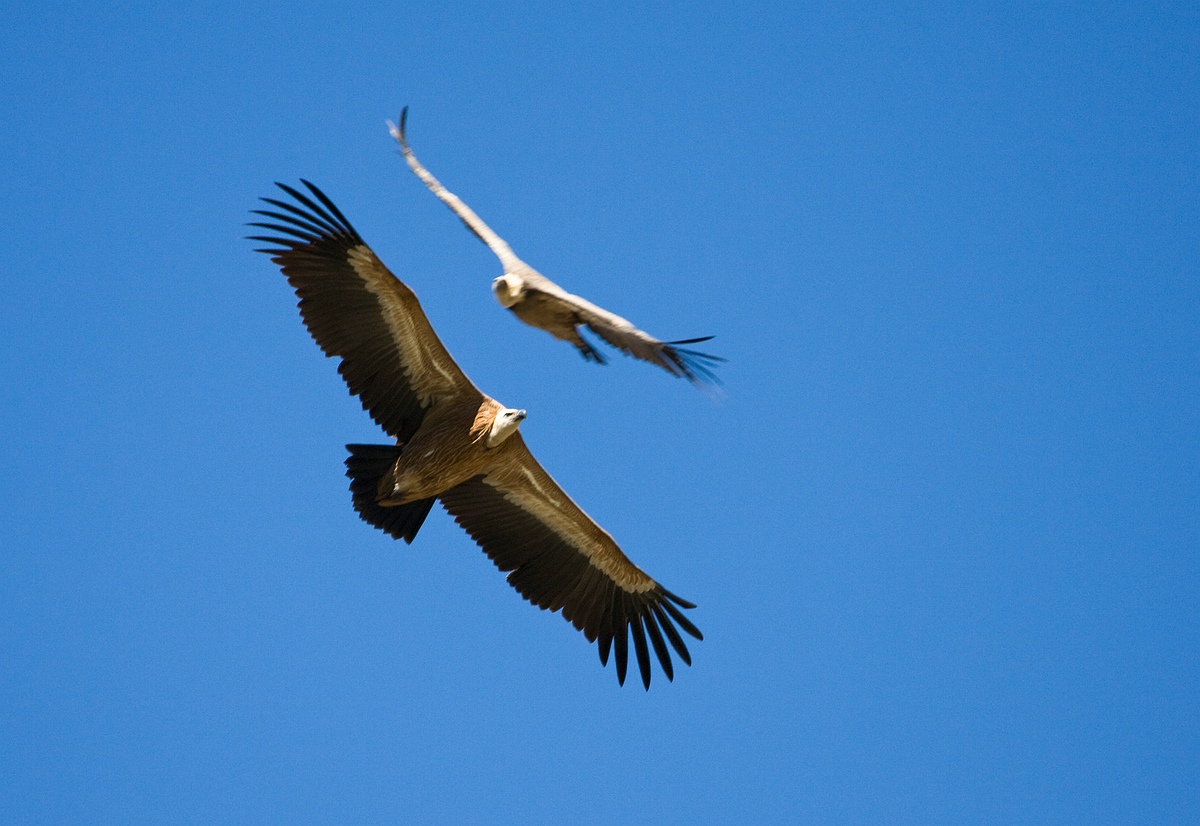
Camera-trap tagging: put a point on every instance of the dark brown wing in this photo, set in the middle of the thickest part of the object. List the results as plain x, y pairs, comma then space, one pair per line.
357, 310
695, 366
558, 558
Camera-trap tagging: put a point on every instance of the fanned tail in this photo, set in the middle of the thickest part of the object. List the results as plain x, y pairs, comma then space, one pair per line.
365, 465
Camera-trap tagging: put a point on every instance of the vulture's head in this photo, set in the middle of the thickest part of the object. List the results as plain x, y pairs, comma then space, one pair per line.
507, 289
504, 425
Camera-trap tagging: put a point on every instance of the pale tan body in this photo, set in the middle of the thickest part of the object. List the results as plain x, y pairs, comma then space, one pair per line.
448, 449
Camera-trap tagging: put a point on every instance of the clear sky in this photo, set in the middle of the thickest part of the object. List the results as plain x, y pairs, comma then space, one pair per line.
942, 529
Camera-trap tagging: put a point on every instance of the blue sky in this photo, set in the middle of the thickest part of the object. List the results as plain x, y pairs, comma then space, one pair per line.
942, 529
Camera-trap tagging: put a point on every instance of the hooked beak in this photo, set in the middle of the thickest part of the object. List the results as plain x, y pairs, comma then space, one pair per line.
521, 415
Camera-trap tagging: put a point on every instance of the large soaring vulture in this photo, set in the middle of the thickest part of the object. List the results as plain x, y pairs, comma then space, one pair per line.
457, 445
541, 303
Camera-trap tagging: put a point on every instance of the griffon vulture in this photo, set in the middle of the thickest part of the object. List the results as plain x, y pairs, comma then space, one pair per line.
541, 303
457, 445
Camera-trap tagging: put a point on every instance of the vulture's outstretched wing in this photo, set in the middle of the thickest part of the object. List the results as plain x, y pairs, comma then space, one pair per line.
467, 215
559, 559
356, 309
695, 366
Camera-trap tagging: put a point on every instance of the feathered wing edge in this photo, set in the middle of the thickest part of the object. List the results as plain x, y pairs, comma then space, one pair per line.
619, 332
470, 220
552, 573
693, 365
356, 309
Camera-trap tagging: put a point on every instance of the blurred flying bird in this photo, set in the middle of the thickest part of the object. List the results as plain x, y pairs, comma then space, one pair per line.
541, 303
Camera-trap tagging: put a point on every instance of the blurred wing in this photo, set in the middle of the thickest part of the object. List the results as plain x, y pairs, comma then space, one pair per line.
357, 310
558, 558
472, 221
695, 366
